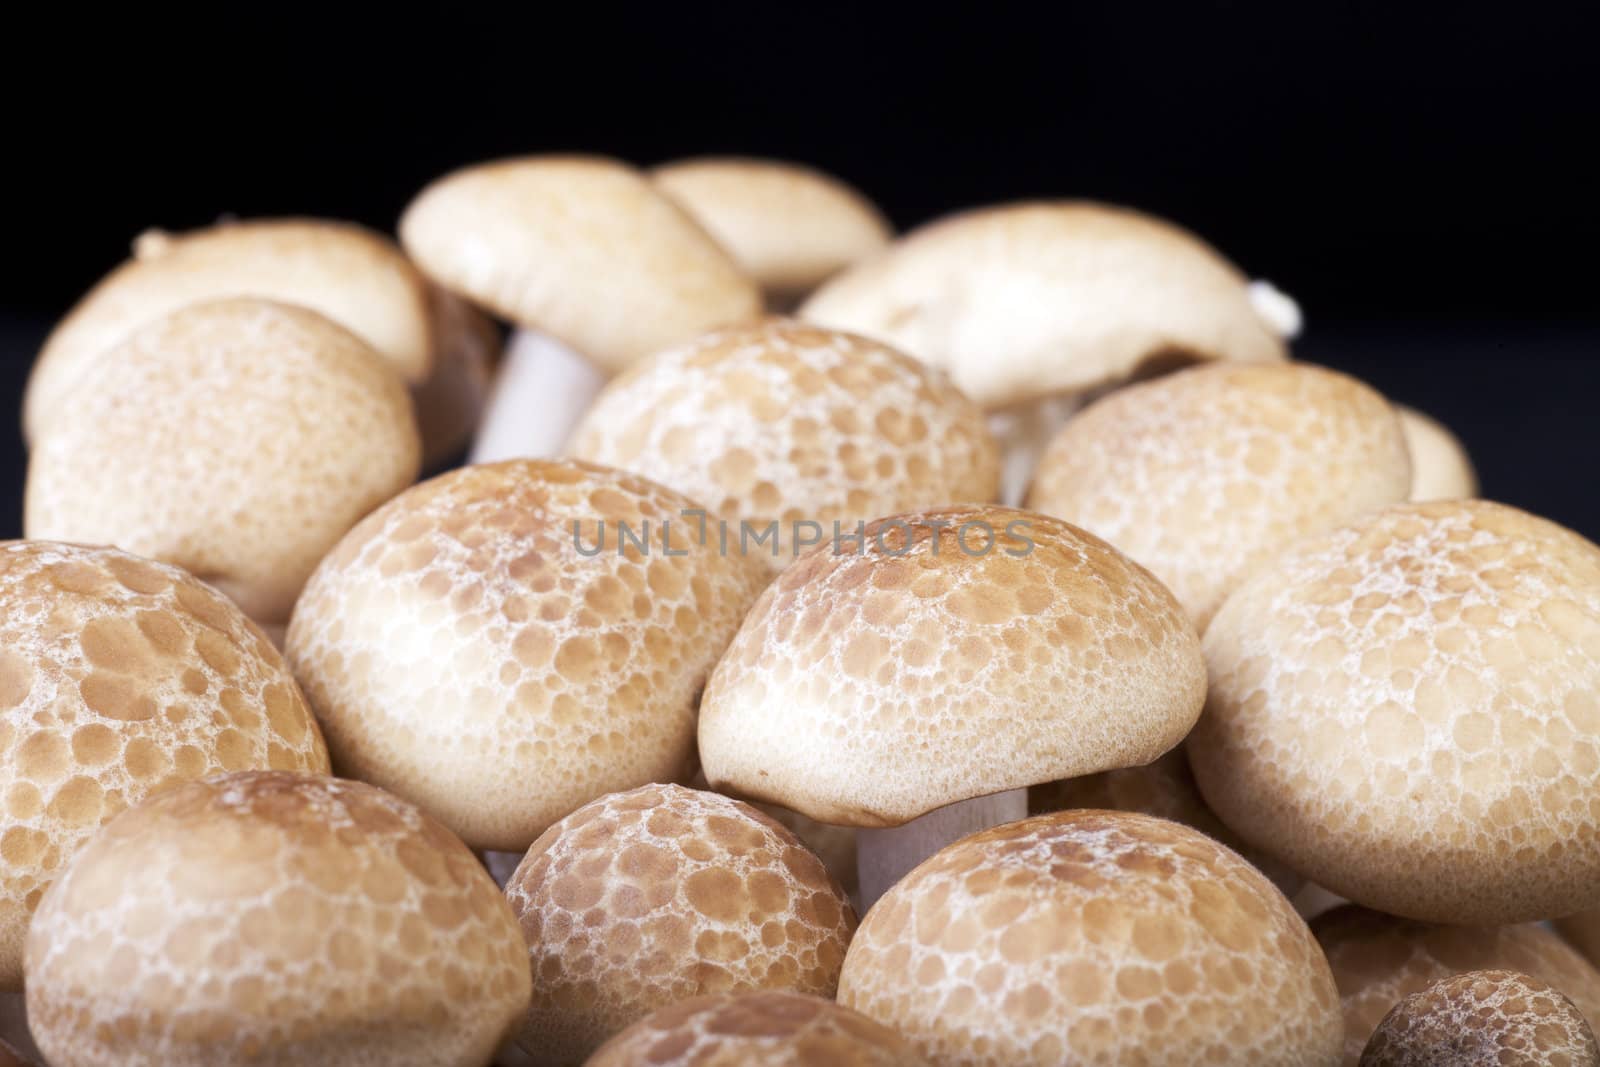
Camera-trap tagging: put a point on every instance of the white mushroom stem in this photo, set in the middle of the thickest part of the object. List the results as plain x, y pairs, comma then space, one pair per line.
884, 856
540, 392
1024, 432
1277, 308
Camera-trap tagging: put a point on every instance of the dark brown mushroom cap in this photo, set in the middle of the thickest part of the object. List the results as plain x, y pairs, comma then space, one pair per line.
1480, 1019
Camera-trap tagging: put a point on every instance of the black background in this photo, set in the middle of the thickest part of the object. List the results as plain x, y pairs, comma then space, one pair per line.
1421, 179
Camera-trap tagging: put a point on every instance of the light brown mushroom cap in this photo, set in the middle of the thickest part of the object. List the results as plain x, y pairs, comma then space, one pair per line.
930, 665
120, 676
771, 1028
352, 275
1583, 931
274, 919
238, 439
1027, 300
781, 422
450, 401
579, 247
643, 898
462, 652
1164, 788
1407, 712
1379, 959
1205, 475
1440, 469
790, 227
1483, 1018
1093, 937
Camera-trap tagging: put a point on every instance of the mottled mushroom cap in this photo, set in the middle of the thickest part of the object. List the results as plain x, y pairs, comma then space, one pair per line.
1407, 712
1205, 475
1440, 468
766, 1029
1480, 1019
1093, 937
788, 226
948, 655
1378, 959
582, 248
352, 275
474, 647
238, 439
1583, 931
1027, 300
275, 919
120, 676
780, 422
643, 898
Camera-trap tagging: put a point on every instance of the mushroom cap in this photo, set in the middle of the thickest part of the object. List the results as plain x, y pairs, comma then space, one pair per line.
643, 898
952, 654
1583, 932
352, 275
1205, 475
778, 421
1484, 1017
1164, 788
790, 227
1379, 959
238, 438
1405, 711
770, 1028
119, 677
1026, 300
450, 401
579, 247
1440, 469
461, 651
274, 918
1093, 937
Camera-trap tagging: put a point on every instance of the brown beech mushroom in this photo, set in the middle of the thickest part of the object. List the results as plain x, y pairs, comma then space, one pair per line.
1440, 468
119, 677
506, 642
786, 430
1379, 959
238, 438
594, 264
1481, 1019
915, 682
451, 399
274, 918
642, 898
1407, 712
1032, 306
1205, 475
1094, 937
789, 227
772, 1028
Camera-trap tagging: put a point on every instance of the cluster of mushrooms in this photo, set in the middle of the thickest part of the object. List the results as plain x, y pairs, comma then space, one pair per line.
979, 646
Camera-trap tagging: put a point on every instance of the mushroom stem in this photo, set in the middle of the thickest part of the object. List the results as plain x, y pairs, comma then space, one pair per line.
1024, 432
884, 855
540, 392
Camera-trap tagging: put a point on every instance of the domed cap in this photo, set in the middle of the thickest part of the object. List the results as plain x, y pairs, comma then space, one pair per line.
1378, 959
118, 677
1440, 469
643, 898
788, 226
1026, 300
355, 277
1093, 937
274, 918
483, 647
949, 655
1205, 475
1484, 1017
582, 248
765, 1029
781, 422
1405, 711
238, 439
